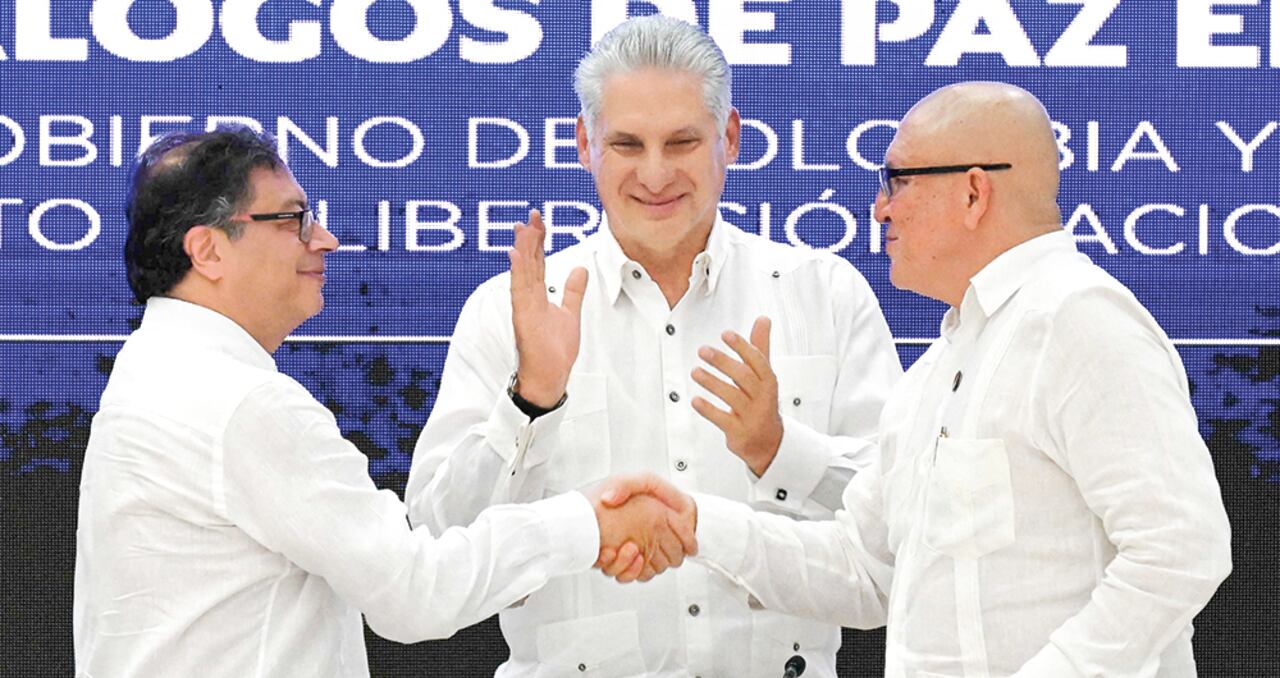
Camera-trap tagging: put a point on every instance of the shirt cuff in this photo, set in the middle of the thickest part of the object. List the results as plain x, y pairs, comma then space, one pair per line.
723, 528
801, 461
514, 435
573, 537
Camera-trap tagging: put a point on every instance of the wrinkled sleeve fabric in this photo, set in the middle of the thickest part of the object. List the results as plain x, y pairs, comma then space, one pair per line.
812, 468
477, 448
292, 483
1114, 400
838, 571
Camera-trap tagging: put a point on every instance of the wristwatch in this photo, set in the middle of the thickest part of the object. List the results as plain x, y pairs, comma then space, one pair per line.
530, 410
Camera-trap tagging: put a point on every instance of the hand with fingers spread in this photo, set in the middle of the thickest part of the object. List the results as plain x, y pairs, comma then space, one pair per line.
752, 426
646, 526
546, 335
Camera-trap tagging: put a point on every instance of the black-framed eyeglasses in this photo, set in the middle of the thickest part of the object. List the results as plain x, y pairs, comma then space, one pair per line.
888, 174
306, 221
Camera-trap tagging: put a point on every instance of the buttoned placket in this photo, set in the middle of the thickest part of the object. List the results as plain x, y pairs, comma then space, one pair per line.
941, 403
675, 353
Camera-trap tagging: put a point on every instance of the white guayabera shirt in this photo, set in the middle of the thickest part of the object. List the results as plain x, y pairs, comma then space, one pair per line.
628, 410
1044, 505
227, 529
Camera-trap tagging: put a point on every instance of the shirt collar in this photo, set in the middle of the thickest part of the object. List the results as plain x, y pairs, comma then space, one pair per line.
1000, 279
614, 266
201, 326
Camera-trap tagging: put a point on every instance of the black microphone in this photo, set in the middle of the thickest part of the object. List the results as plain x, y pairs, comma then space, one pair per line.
795, 667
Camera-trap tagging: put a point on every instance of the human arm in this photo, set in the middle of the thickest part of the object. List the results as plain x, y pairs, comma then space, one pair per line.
295, 486
1113, 399
478, 448
838, 571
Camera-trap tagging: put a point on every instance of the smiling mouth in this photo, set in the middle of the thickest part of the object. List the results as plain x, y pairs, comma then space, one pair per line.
658, 203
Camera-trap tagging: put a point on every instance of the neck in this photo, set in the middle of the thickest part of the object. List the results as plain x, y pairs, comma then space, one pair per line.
201, 296
670, 269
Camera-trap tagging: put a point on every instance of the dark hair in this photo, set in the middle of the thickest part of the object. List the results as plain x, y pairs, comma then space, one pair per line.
185, 179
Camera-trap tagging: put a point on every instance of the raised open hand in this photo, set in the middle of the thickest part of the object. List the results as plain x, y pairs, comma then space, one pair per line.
547, 335
752, 427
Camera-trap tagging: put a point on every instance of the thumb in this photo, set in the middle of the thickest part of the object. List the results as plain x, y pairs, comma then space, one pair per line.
574, 289
667, 493
621, 488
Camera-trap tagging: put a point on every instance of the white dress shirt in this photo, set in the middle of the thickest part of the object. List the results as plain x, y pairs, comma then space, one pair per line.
227, 529
629, 410
1044, 505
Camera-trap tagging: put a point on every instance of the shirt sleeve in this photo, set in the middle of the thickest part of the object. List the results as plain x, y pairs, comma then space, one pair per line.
812, 468
478, 449
1116, 408
293, 484
838, 571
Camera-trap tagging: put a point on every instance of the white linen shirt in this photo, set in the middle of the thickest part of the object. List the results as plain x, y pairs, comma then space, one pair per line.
1044, 505
629, 410
227, 529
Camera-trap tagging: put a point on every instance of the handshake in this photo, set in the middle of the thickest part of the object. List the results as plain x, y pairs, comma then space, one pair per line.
646, 526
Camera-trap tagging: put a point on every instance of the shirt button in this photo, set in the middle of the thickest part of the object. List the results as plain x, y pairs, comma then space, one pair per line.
781, 495
635, 274
675, 397
552, 289
777, 274
796, 402
582, 667
955, 383
694, 610
681, 465
796, 647
671, 329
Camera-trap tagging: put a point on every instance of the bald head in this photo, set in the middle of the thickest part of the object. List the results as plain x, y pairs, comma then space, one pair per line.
942, 228
991, 122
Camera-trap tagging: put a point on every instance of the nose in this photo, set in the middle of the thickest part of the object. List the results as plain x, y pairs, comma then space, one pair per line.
322, 240
882, 208
655, 171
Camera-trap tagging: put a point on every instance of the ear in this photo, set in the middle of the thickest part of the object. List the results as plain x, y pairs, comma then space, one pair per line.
584, 144
977, 197
733, 136
205, 246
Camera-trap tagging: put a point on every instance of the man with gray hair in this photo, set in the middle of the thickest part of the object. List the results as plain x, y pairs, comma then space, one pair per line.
549, 388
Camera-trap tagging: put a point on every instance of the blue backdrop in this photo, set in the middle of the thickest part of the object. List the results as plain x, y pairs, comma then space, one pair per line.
423, 128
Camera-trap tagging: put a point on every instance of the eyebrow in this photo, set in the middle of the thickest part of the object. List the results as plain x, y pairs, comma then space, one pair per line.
687, 132
615, 137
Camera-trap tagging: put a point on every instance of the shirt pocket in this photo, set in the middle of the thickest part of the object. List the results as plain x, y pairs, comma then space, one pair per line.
605, 646
581, 454
969, 508
778, 637
805, 384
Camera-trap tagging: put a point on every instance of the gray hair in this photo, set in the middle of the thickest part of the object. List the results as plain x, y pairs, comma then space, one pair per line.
654, 42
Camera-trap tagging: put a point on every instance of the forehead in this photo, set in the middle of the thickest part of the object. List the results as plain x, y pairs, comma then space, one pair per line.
907, 146
270, 188
653, 101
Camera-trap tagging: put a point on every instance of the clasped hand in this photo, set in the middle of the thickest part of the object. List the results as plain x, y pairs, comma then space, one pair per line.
646, 526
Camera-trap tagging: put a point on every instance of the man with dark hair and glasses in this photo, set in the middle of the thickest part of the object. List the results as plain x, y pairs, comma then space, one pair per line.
1043, 505
226, 528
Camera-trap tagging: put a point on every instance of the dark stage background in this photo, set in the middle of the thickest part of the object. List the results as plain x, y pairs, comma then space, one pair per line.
424, 128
